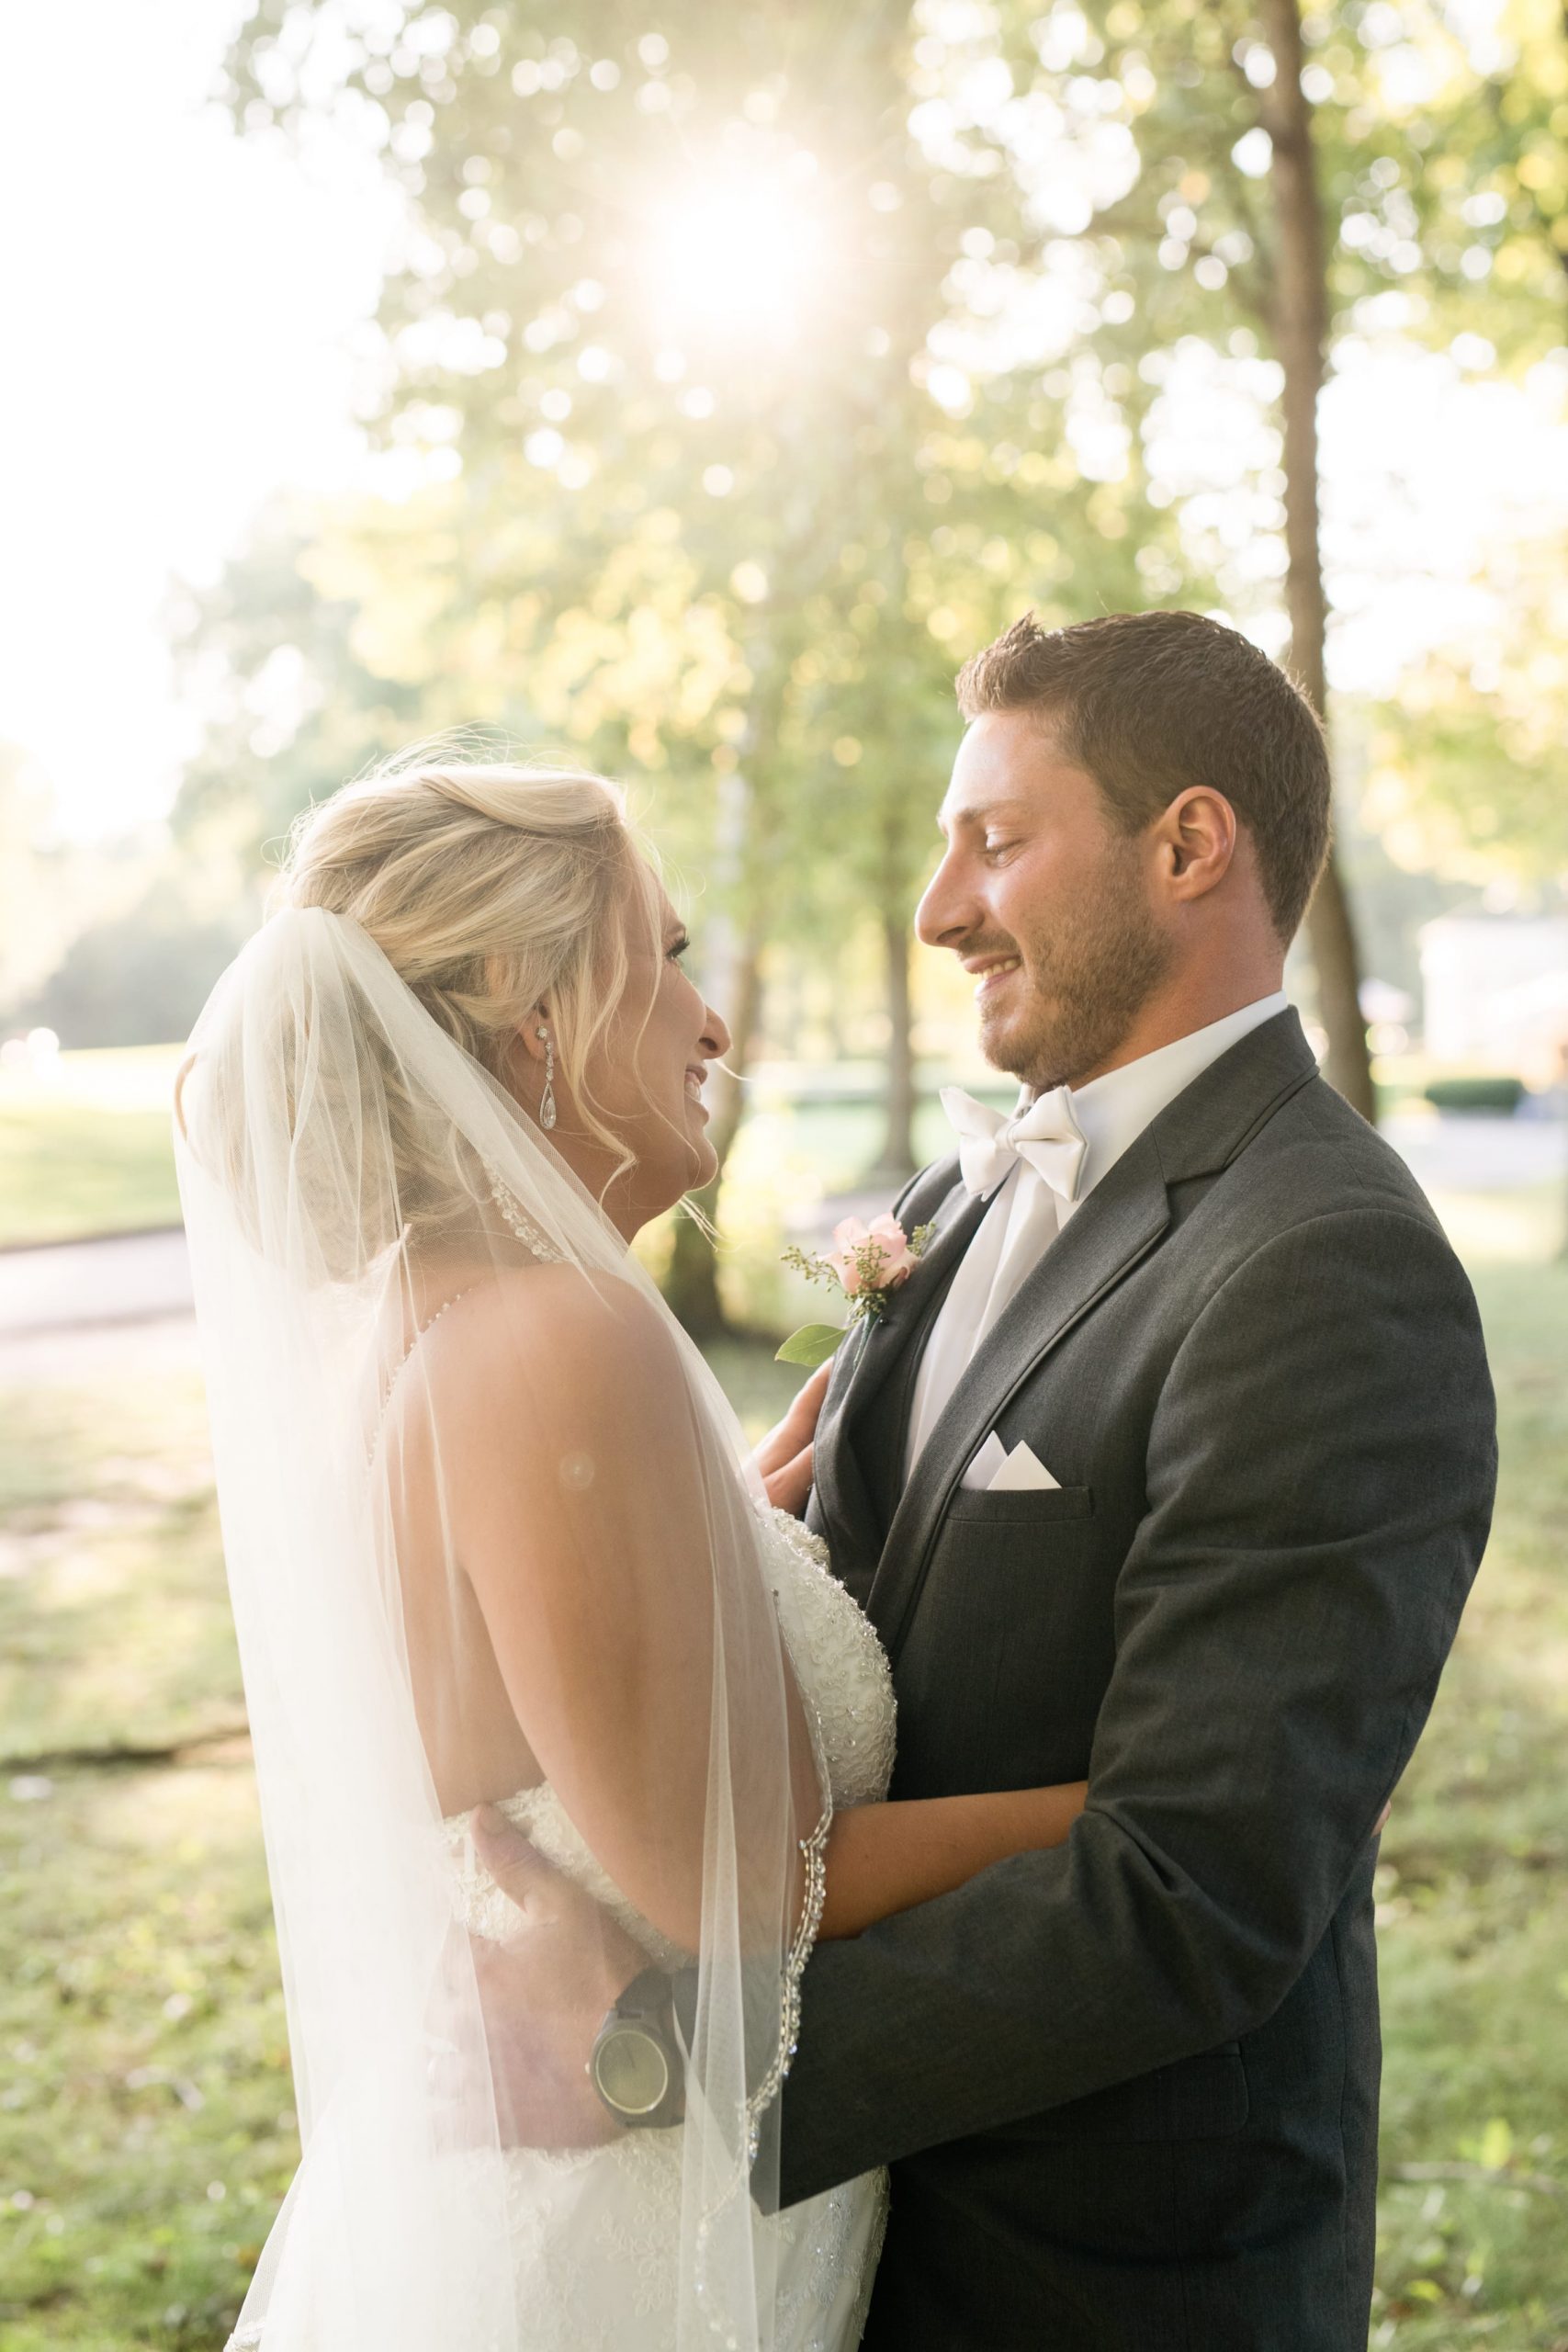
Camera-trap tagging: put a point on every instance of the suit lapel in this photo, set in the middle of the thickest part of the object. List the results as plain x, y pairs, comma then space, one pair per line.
887, 1345
882, 1407
847, 1510
1123, 1218
841, 1512
1120, 1223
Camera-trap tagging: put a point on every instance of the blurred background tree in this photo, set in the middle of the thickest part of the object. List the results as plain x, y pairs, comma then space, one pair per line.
1469, 769
110, 941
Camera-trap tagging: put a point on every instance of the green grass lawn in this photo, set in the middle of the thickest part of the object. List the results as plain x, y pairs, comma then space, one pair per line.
146, 2130
84, 1148
1474, 1905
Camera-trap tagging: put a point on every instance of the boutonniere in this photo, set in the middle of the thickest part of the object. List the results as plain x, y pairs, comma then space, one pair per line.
867, 1263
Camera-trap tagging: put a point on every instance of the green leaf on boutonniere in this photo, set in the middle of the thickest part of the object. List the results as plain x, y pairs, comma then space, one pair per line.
811, 1345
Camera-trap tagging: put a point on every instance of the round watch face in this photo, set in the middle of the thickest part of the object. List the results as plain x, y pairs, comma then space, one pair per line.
631, 2069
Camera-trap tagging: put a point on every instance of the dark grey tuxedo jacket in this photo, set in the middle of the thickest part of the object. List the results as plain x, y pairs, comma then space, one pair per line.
1129, 2088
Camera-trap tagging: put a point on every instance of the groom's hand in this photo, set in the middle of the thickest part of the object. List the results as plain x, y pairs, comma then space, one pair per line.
545, 1992
785, 1455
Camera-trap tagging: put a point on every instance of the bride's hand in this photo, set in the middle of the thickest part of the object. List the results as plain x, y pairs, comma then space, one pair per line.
545, 1992
785, 1455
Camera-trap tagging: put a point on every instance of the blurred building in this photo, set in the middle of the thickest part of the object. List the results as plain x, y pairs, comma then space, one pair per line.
1494, 992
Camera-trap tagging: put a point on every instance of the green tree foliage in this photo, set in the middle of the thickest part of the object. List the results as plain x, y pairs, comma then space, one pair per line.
1469, 767
1439, 149
657, 478
293, 705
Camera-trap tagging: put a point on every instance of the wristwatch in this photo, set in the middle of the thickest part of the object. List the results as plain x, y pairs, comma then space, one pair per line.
636, 2064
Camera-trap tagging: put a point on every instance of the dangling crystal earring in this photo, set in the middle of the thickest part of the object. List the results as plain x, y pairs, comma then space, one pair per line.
548, 1100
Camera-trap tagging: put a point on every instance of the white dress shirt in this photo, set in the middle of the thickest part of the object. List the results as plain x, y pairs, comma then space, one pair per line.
1025, 1214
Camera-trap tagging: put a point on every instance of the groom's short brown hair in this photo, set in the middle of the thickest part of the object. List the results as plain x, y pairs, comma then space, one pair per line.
1151, 704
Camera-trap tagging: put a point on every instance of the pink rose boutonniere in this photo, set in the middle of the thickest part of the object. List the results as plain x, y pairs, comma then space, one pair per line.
867, 1262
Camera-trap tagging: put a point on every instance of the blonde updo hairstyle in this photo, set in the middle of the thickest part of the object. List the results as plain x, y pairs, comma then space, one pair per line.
488, 886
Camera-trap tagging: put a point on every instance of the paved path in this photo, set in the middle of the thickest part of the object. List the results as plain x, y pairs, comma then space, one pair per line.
128, 1278
82, 1309
1471, 1155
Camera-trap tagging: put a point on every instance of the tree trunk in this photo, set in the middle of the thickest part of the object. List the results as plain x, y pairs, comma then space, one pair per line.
895, 1161
1332, 939
1301, 332
734, 973
691, 1280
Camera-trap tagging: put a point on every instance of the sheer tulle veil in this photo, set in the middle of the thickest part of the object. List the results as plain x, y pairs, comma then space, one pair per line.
392, 1266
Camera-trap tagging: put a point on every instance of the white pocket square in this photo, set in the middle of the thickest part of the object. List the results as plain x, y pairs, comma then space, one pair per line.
995, 1471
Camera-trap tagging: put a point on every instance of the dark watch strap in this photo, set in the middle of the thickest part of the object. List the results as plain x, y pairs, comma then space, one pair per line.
646, 1999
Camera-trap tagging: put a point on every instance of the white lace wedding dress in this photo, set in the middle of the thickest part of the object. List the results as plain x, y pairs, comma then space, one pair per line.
624, 2199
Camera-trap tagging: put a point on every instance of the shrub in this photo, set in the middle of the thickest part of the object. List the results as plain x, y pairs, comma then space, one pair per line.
1500, 1095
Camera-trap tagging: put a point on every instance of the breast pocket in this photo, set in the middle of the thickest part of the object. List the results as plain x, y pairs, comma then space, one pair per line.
1008, 1647
1025, 1510
1032, 1532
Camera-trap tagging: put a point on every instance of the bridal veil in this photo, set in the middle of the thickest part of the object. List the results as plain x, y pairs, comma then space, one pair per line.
399, 1283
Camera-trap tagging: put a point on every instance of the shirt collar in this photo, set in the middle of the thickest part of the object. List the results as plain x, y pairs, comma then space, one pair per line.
1113, 1111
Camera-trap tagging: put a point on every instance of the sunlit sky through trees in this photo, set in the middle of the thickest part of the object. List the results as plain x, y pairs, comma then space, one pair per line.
189, 318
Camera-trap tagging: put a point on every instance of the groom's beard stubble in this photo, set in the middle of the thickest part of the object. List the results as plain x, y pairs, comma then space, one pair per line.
1090, 973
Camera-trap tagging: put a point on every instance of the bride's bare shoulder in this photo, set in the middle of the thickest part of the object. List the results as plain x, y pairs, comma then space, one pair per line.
563, 1333
556, 1364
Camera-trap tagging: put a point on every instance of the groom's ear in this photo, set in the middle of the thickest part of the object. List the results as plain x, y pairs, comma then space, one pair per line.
1197, 836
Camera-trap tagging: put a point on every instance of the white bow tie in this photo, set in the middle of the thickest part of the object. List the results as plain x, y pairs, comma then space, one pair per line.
1043, 1135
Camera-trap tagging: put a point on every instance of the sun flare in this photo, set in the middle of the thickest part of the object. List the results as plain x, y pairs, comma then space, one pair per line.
739, 253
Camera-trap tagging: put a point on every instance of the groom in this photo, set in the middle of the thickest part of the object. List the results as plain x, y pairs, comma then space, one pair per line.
1129, 2088
1169, 1467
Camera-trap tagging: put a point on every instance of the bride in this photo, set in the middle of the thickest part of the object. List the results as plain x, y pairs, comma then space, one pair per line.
494, 1539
